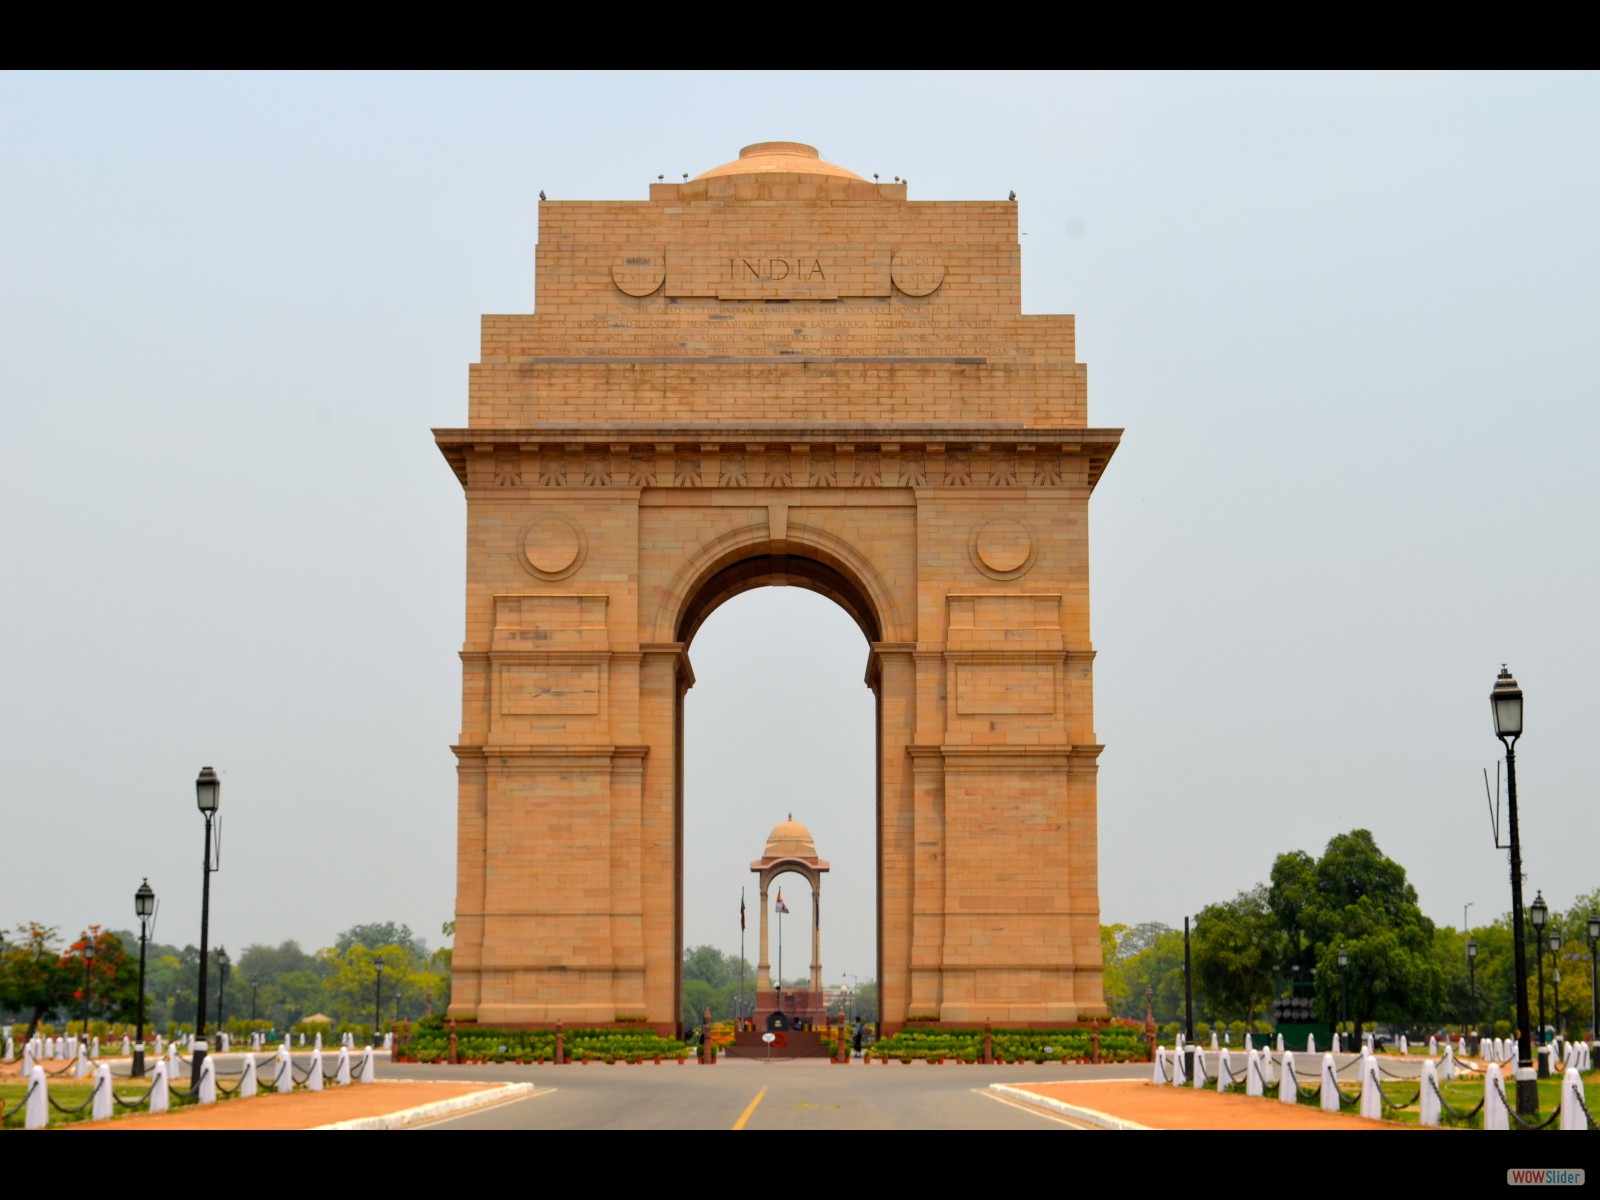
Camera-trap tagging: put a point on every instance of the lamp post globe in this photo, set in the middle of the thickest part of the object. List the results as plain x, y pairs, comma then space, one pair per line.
208, 798
1505, 703
144, 907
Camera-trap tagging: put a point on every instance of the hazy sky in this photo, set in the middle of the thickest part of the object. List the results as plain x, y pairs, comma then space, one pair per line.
1345, 320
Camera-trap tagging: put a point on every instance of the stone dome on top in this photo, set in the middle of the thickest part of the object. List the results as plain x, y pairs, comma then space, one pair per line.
788, 158
790, 839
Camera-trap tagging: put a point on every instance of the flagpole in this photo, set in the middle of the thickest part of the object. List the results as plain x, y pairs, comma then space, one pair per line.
738, 1008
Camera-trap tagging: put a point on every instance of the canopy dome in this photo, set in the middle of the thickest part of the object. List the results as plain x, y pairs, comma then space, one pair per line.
790, 158
790, 839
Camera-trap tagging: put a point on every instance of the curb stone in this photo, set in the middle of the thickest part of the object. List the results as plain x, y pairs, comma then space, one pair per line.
1076, 1111
440, 1108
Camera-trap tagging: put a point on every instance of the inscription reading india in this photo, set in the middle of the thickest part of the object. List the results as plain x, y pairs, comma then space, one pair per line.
776, 270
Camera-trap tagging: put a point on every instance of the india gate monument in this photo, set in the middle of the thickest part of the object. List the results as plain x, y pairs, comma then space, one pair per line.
777, 372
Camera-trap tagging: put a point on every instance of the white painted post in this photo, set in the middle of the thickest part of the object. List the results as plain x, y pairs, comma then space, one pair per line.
1253, 1083
1371, 1097
1158, 1073
1571, 1093
315, 1082
1330, 1087
1429, 1112
101, 1111
160, 1095
247, 1081
1495, 1113
368, 1072
38, 1114
208, 1080
341, 1072
81, 1067
1286, 1084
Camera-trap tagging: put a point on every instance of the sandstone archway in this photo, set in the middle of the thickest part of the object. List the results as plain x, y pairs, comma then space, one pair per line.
777, 372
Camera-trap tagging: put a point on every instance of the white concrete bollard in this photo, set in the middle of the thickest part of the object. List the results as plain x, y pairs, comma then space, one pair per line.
101, 1110
283, 1069
80, 1068
1330, 1086
208, 1080
1495, 1113
1178, 1076
1280, 1043
1224, 1070
160, 1085
127, 1046
318, 1044
1286, 1084
1158, 1073
10, 1054
369, 1072
1311, 1043
1371, 1097
38, 1114
1201, 1078
388, 1042
1428, 1110
1571, 1097
1249, 1042
247, 1081
315, 1082
1405, 1046
1254, 1082
27, 1060
1447, 1066
341, 1070
1433, 1046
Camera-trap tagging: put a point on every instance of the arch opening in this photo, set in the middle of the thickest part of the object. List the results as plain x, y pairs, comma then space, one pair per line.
778, 723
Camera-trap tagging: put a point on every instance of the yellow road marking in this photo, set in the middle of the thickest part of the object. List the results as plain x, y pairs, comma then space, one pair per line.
745, 1115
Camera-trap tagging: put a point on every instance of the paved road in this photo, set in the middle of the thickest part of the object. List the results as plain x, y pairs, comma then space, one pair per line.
797, 1094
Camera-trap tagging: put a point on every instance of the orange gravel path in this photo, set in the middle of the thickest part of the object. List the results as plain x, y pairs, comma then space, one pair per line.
298, 1110
1185, 1108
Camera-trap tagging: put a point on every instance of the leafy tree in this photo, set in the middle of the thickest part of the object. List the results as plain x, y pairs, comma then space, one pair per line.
1358, 898
712, 977
1236, 948
379, 935
1114, 979
1158, 970
36, 979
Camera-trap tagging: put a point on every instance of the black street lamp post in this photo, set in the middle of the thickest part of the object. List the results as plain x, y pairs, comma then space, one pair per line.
1538, 914
1344, 987
223, 964
1594, 960
1555, 976
377, 1001
1188, 1005
1472, 983
144, 907
88, 979
1505, 701
208, 795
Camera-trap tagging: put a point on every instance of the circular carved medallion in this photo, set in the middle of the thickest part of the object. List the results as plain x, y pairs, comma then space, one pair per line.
1001, 548
917, 271
639, 271
553, 546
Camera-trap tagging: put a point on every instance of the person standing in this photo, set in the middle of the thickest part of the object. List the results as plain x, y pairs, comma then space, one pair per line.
858, 1035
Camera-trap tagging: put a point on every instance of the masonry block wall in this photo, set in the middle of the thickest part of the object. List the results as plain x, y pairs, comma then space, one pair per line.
777, 373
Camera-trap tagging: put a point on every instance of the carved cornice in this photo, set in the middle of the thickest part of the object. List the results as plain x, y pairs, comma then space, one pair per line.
777, 456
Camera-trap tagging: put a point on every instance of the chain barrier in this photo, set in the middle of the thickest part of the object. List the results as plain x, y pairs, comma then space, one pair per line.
1257, 1065
1233, 1080
1403, 1104
1500, 1086
1351, 1102
1294, 1078
1200, 1067
34, 1084
1577, 1094
1444, 1105
72, 1112
139, 1103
